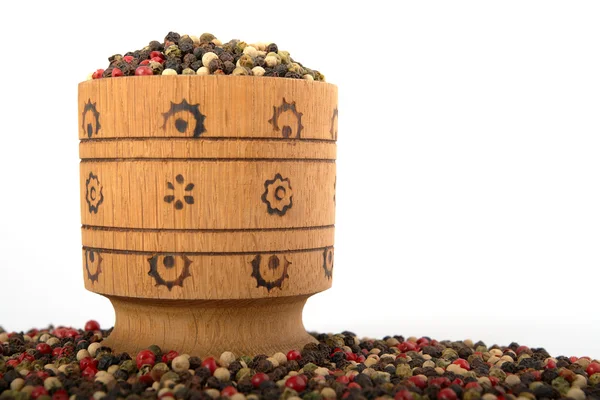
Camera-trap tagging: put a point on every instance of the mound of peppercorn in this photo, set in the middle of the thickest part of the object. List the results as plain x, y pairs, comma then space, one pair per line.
69, 364
206, 55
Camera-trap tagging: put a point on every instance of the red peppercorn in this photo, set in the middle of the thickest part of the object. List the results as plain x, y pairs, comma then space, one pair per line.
294, 355
593, 368
447, 394
354, 385
423, 341
210, 363
573, 359
144, 62
98, 74
537, 375
88, 362
404, 395
343, 379
461, 362
441, 381
296, 383
146, 379
407, 346
12, 363
42, 375
145, 357
351, 356
157, 59
360, 359
158, 54
143, 71
259, 378
26, 356
473, 385
418, 381
44, 348
128, 59
228, 391
170, 356
37, 392
494, 380
458, 382
89, 372
550, 364
521, 349
60, 394
93, 325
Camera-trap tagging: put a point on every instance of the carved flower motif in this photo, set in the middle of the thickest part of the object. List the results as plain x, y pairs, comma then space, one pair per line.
278, 195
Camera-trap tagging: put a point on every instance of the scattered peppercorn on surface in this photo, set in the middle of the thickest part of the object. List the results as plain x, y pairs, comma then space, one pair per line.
206, 55
69, 364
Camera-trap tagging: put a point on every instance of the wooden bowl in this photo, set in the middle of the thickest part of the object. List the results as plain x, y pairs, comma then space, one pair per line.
208, 208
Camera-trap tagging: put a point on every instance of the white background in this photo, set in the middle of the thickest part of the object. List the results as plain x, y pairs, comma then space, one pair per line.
468, 200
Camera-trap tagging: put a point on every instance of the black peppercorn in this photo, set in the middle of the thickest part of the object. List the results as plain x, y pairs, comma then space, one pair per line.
189, 59
155, 46
172, 37
293, 75
228, 67
215, 65
186, 47
272, 48
281, 70
259, 61
174, 64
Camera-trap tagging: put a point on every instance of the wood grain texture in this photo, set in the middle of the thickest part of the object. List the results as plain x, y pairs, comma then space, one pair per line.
208, 208
207, 276
246, 327
234, 106
226, 194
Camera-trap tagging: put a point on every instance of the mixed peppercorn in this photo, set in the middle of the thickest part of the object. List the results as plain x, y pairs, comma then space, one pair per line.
68, 364
206, 55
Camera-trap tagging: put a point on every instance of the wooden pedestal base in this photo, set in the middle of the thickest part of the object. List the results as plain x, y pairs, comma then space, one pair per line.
209, 327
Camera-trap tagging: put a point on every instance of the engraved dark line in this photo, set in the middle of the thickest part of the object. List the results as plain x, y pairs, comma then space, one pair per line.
208, 253
319, 160
119, 229
213, 139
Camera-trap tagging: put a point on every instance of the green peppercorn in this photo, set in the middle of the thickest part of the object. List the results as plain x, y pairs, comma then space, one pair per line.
285, 56
129, 366
245, 61
188, 71
115, 57
239, 71
295, 67
170, 376
319, 76
156, 67
404, 371
595, 379
561, 384
173, 51
207, 37
239, 47
498, 373
242, 373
